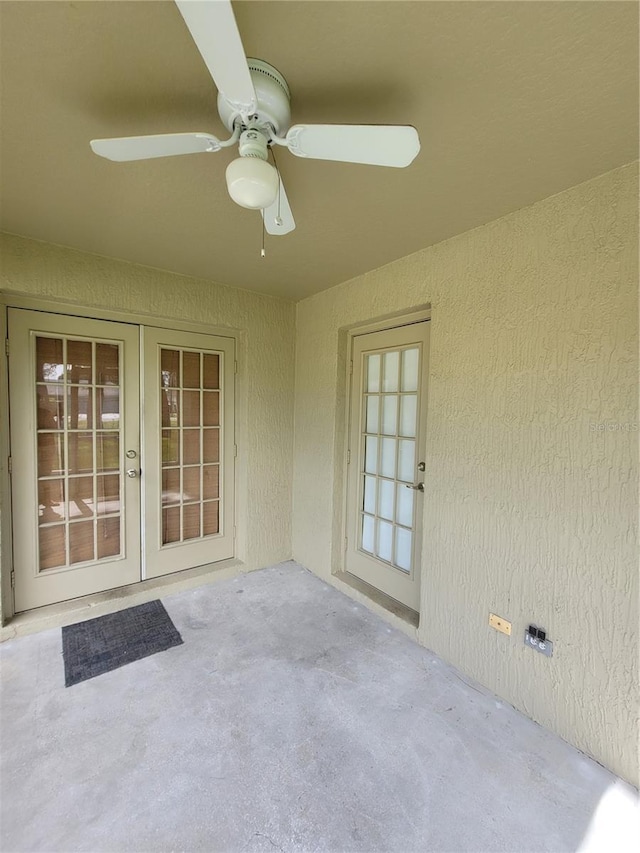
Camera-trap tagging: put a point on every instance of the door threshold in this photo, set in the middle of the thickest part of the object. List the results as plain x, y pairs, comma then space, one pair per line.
381, 601
90, 606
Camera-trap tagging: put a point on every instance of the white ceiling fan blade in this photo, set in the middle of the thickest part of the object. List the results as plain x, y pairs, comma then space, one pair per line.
278, 218
160, 145
375, 145
213, 27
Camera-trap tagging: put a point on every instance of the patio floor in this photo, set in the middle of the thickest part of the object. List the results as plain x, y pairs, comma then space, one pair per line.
291, 719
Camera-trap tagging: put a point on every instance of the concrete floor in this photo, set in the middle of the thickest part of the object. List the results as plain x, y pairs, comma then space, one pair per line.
291, 719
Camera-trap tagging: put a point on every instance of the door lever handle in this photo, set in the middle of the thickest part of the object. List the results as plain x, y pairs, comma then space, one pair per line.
419, 487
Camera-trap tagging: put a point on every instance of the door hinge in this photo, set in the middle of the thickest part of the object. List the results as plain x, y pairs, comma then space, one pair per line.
6, 347
346, 543
348, 457
13, 580
10, 465
235, 366
235, 450
235, 530
350, 368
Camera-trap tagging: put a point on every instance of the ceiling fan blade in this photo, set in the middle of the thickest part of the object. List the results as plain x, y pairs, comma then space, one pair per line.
160, 145
278, 218
213, 27
375, 145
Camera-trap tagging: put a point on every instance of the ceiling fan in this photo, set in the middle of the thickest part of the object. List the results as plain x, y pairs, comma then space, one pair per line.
254, 105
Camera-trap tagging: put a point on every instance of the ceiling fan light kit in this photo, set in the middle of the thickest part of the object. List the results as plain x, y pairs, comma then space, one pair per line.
254, 105
252, 183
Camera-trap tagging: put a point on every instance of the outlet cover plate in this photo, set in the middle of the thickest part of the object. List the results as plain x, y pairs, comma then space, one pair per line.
500, 624
544, 647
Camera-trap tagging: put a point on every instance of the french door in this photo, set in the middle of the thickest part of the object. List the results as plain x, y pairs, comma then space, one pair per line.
387, 442
122, 453
189, 450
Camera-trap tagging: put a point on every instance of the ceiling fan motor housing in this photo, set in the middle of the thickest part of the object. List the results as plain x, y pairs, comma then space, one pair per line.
274, 110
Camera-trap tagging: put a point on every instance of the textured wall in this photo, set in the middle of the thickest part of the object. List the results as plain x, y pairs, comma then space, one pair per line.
264, 420
530, 510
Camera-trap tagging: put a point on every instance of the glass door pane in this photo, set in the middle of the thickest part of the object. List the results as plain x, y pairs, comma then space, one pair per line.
189, 441
389, 458
190, 393
78, 438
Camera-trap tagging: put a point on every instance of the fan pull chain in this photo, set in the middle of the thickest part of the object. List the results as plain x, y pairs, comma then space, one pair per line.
275, 163
263, 254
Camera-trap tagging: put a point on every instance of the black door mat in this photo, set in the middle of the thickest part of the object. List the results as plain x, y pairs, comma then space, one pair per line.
99, 645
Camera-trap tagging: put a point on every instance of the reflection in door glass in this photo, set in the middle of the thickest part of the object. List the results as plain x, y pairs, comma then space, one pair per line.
191, 392
79, 362
107, 364
78, 438
49, 360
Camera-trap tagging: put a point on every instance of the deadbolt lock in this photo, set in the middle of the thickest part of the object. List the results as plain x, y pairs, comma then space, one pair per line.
131, 454
421, 466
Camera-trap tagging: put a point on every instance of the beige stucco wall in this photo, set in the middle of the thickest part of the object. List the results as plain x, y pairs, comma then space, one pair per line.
530, 509
264, 419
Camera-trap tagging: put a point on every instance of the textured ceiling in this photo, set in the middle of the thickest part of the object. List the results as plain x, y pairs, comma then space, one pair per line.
514, 101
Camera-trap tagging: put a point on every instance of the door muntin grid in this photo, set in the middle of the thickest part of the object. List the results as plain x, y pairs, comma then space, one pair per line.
78, 452
389, 423
192, 405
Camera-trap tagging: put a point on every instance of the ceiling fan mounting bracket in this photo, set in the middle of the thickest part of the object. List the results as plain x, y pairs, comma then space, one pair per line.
273, 113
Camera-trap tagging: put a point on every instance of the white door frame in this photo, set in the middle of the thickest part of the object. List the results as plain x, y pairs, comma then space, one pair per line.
418, 315
53, 305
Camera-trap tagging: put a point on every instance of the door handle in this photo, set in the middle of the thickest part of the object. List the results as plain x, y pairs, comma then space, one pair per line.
419, 487
132, 472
